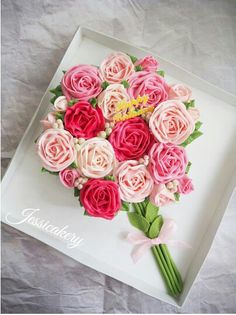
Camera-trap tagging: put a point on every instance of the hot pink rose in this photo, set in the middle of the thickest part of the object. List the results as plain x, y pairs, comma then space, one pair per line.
180, 92
56, 149
161, 196
135, 182
185, 185
81, 82
48, 121
148, 83
130, 139
116, 67
68, 177
171, 122
100, 198
84, 121
148, 63
167, 162
110, 98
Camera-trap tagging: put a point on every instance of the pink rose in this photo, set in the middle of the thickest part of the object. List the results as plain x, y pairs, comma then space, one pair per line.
116, 67
148, 63
185, 185
56, 149
81, 82
180, 92
60, 104
68, 177
148, 83
84, 121
96, 158
130, 139
48, 121
171, 122
135, 182
110, 98
194, 113
167, 162
100, 198
161, 196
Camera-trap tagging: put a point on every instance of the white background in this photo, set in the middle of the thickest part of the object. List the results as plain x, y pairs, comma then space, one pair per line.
198, 35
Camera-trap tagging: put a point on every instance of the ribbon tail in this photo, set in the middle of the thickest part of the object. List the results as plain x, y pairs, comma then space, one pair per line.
139, 250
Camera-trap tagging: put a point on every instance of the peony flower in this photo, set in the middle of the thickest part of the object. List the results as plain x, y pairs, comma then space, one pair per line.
171, 122
96, 158
130, 139
110, 98
81, 82
160, 195
135, 182
84, 121
116, 67
100, 198
148, 83
180, 92
148, 63
56, 149
167, 162
60, 104
185, 185
68, 177
48, 121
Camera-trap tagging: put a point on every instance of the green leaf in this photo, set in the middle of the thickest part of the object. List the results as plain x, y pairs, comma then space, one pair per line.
151, 212
73, 165
59, 116
189, 104
52, 100
93, 102
105, 84
125, 83
161, 73
191, 138
44, 170
64, 71
72, 102
155, 227
188, 167
86, 213
138, 68
110, 177
125, 206
138, 221
177, 195
133, 58
57, 91
198, 125
76, 192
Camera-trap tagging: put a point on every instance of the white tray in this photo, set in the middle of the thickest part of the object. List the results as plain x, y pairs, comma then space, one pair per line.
104, 248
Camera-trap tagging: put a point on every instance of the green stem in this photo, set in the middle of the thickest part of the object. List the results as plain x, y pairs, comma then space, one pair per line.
163, 272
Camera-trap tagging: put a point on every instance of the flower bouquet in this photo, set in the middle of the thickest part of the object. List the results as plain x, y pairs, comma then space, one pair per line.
117, 135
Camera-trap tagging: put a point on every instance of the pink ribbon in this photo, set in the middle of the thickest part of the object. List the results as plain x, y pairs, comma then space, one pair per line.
143, 243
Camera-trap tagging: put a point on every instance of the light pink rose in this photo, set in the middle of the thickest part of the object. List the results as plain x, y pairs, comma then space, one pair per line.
194, 113
180, 92
167, 162
96, 158
116, 67
48, 121
185, 185
161, 196
56, 149
68, 177
148, 83
60, 104
110, 98
148, 63
171, 122
135, 182
81, 82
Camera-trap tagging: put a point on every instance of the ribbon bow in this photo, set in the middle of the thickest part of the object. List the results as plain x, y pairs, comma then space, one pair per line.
144, 243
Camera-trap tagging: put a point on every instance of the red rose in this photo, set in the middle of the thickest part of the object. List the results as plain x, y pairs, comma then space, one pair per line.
100, 198
84, 121
130, 139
